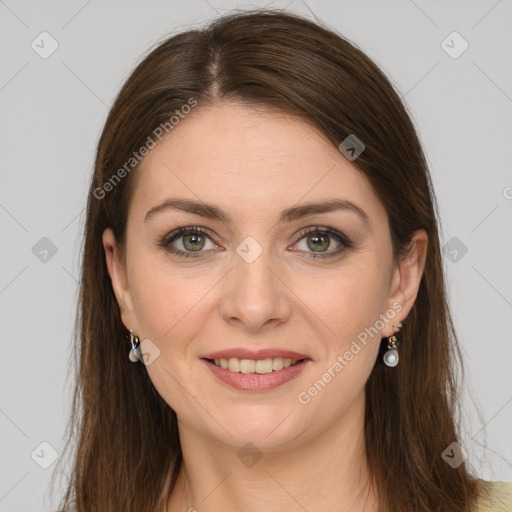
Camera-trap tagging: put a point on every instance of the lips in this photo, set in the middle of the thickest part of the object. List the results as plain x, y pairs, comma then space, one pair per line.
256, 370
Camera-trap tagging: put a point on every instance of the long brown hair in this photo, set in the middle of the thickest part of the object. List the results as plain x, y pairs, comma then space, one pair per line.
127, 452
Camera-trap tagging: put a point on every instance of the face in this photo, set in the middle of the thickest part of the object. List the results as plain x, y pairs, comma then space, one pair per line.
266, 279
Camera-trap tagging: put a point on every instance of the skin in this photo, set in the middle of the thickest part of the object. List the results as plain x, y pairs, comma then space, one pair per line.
253, 164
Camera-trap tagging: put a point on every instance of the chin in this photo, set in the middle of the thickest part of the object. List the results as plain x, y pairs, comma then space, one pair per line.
267, 427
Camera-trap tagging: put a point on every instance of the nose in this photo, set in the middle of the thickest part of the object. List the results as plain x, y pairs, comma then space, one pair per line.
255, 297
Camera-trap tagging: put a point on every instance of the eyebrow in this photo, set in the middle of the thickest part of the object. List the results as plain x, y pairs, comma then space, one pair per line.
211, 211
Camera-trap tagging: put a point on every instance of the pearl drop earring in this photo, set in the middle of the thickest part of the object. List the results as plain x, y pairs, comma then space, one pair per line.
391, 356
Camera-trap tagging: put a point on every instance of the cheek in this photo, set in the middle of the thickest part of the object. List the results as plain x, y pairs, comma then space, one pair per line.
165, 300
350, 305
347, 300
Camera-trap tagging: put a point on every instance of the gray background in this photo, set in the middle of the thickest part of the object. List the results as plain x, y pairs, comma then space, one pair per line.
52, 112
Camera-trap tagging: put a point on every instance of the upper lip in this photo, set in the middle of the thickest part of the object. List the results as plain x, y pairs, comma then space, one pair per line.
263, 353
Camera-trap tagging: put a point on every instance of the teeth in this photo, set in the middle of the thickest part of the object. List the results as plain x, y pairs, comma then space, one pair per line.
277, 363
255, 366
263, 366
234, 364
247, 366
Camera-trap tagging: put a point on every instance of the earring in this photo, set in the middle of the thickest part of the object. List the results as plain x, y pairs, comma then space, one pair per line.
391, 356
135, 353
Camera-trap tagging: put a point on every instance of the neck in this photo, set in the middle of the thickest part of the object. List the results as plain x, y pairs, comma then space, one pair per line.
327, 471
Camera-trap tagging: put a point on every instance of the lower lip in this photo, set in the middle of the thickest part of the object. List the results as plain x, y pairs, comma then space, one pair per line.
256, 381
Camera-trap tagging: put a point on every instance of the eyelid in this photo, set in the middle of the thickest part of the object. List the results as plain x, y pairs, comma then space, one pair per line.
341, 237
176, 233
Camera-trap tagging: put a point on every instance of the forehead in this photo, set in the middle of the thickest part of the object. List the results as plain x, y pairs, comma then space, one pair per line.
248, 161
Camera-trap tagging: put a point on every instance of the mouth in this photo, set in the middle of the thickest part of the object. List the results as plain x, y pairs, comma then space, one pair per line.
257, 366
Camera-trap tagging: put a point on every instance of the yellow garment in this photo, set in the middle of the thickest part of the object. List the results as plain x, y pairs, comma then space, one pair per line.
497, 497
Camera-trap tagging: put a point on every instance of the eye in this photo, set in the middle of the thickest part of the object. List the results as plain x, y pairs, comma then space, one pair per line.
319, 239
187, 241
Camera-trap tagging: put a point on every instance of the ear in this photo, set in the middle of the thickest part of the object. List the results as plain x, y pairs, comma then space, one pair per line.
119, 280
406, 280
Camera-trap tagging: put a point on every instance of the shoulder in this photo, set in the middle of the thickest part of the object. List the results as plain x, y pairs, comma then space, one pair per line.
495, 497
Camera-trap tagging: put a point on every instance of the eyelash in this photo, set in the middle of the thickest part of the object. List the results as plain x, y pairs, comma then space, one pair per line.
345, 242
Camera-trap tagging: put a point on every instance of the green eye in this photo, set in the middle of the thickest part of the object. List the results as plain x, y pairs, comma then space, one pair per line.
192, 240
318, 241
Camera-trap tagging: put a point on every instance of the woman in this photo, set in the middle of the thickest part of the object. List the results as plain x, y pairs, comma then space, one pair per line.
263, 320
